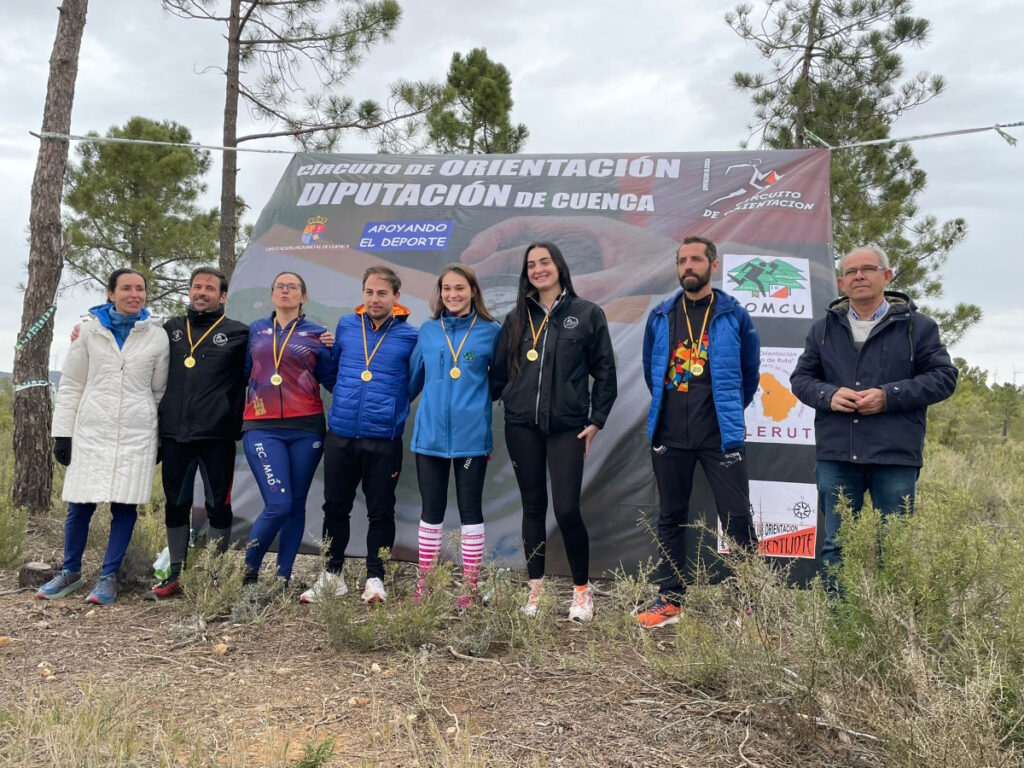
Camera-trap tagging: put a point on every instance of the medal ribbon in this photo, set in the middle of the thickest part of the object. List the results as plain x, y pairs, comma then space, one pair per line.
188, 330
369, 355
695, 345
536, 333
455, 354
277, 357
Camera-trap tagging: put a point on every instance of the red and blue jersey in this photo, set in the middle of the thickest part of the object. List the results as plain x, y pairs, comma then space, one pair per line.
305, 365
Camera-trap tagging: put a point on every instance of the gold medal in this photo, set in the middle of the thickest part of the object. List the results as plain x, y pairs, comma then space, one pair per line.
696, 369
455, 372
366, 375
532, 354
190, 361
276, 378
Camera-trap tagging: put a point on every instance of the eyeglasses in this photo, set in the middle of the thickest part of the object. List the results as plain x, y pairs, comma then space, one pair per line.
287, 286
867, 271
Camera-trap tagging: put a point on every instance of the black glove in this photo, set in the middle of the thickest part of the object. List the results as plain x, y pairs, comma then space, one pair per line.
730, 458
62, 450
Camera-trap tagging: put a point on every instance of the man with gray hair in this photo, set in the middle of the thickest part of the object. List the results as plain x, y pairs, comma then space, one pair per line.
870, 368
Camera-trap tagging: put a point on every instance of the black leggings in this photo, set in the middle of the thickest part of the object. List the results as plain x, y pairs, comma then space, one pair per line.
532, 452
433, 472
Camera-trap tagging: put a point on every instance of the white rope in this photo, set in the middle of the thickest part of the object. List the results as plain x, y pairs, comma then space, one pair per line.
115, 140
997, 128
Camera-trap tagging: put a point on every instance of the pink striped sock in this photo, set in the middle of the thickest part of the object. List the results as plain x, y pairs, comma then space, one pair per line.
430, 544
472, 551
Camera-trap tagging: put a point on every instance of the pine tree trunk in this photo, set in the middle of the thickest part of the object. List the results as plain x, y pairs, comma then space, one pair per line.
229, 168
33, 465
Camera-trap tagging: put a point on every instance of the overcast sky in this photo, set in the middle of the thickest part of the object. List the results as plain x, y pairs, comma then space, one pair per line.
588, 76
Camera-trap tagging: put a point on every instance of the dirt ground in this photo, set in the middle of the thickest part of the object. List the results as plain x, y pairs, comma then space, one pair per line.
143, 683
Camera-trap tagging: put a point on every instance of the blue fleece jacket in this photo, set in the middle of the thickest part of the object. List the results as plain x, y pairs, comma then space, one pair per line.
454, 415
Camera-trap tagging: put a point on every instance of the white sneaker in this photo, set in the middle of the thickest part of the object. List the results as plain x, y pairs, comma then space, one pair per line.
533, 601
582, 608
374, 591
326, 583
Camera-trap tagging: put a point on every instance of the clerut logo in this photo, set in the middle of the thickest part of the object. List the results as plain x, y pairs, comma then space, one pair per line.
314, 230
570, 322
769, 286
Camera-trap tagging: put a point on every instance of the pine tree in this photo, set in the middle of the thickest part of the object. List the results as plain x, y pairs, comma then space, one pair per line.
474, 115
135, 205
275, 48
835, 76
33, 463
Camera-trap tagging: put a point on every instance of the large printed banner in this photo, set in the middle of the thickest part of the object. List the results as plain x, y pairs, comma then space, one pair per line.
618, 219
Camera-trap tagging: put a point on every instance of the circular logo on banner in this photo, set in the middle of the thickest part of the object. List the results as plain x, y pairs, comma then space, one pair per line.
220, 339
801, 510
570, 322
177, 335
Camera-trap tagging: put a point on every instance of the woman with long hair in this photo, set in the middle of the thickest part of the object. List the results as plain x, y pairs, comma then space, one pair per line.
105, 428
450, 365
551, 345
283, 423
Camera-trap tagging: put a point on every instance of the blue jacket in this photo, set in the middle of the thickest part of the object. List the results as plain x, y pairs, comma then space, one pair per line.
454, 416
735, 359
902, 355
379, 407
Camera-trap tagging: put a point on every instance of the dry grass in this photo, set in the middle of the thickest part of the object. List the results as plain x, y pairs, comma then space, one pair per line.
922, 665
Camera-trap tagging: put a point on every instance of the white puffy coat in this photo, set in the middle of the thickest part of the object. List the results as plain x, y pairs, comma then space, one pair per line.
107, 403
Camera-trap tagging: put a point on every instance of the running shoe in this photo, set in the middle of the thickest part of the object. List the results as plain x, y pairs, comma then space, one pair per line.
533, 601
165, 589
661, 613
105, 591
582, 608
326, 584
374, 591
61, 585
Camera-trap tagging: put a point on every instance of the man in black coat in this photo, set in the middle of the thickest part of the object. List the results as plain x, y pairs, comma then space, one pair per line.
870, 369
200, 416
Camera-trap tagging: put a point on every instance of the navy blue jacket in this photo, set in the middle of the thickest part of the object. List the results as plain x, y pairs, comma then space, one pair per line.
734, 355
454, 416
903, 355
379, 407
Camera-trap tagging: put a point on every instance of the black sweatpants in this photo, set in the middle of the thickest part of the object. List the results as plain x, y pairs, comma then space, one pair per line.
215, 460
673, 471
349, 461
532, 453
432, 473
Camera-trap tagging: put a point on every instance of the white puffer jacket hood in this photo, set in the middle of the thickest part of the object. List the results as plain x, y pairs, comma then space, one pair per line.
107, 403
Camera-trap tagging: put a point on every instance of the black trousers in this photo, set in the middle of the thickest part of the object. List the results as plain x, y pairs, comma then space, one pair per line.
673, 471
432, 473
533, 454
215, 460
349, 462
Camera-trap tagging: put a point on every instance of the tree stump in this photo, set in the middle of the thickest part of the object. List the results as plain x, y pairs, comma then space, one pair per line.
35, 574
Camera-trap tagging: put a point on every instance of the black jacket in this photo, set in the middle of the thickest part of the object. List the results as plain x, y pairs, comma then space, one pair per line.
902, 355
554, 392
205, 402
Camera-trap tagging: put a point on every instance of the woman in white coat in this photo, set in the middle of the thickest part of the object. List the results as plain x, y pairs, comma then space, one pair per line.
105, 427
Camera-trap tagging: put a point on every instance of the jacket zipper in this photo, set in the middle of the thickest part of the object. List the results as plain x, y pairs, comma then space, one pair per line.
540, 375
